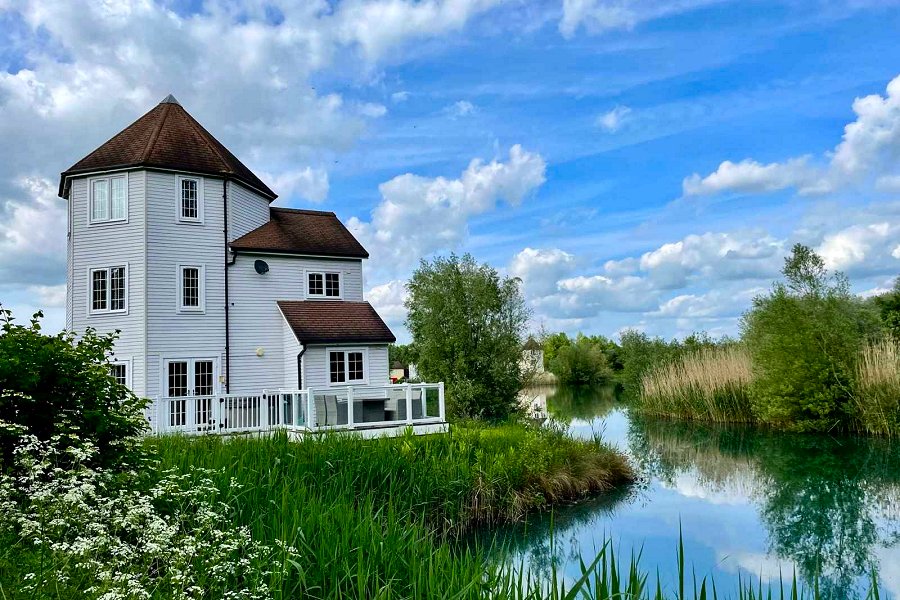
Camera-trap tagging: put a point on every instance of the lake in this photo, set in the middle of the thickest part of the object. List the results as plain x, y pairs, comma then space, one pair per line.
750, 503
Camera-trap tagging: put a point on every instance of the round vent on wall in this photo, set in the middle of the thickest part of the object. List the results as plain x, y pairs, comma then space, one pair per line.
261, 266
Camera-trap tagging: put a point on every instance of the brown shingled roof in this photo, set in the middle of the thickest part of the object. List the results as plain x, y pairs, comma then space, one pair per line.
167, 137
335, 322
294, 231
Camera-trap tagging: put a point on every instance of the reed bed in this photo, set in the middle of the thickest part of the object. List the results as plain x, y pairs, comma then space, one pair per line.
712, 384
877, 393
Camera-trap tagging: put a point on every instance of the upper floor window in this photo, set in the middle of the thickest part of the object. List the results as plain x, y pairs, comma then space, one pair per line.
109, 199
323, 285
109, 290
190, 199
191, 288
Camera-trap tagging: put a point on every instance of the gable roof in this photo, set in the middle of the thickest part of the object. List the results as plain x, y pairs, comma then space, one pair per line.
335, 322
166, 137
295, 231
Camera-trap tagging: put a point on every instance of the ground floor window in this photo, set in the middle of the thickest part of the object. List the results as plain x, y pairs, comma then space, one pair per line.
347, 366
119, 372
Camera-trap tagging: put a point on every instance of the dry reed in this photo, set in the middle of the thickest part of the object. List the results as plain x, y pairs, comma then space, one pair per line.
877, 396
712, 384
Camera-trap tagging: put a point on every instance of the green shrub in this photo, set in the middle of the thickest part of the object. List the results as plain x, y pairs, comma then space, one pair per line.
581, 363
467, 324
804, 338
59, 386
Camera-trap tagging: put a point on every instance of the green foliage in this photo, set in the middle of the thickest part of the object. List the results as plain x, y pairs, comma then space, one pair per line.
467, 324
804, 338
581, 363
888, 306
60, 386
552, 343
407, 354
639, 353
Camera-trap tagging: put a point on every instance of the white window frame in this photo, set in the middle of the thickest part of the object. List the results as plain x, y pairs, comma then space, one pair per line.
179, 286
192, 361
347, 350
90, 199
198, 220
323, 296
126, 362
90, 291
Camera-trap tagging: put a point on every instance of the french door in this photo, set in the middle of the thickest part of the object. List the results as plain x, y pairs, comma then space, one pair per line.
190, 386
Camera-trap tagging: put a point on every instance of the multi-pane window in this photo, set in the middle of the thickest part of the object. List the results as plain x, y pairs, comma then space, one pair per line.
190, 288
324, 285
190, 199
109, 199
346, 366
119, 372
203, 378
109, 289
178, 379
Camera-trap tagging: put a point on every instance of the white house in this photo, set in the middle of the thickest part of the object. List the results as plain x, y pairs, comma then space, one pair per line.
221, 299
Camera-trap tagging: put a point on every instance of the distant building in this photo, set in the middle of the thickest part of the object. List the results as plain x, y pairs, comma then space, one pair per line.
532, 357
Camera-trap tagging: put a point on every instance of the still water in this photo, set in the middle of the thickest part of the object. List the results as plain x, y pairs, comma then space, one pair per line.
750, 503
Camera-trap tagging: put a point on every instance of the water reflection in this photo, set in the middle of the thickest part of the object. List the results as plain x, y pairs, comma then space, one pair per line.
752, 502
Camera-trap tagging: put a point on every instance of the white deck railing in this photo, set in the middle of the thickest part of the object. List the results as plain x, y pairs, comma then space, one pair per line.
310, 410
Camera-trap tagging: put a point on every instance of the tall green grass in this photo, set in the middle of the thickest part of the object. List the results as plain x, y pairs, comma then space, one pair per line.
877, 394
711, 384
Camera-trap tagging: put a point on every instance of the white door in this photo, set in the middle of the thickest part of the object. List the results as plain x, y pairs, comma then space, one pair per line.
190, 386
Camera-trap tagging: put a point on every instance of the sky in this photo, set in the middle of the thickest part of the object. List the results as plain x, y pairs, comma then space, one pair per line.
638, 164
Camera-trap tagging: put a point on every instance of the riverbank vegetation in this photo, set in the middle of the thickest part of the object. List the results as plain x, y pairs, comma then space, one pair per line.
812, 356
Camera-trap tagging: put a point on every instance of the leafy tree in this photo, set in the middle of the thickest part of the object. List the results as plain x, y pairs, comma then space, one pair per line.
406, 354
638, 352
467, 323
888, 306
804, 338
551, 345
57, 386
581, 363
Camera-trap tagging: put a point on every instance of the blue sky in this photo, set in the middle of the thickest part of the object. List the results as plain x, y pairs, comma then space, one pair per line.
600, 132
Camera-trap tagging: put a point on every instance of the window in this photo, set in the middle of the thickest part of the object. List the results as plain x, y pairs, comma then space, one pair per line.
324, 285
190, 377
190, 194
191, 290
119, 372
109, 290
346, 366
109, 199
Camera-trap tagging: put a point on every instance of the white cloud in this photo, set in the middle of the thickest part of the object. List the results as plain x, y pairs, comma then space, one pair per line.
749, 176
307, 183
541, 269
33, 235
460, 108
586, 295
858, 245
869, 147
612, 120
373, 110
388, 299
599, 16
50, 296
421, 215
896, 252
401, 96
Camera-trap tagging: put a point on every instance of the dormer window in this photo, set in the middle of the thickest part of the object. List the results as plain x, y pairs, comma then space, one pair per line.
190, 199
109, 199
323, 285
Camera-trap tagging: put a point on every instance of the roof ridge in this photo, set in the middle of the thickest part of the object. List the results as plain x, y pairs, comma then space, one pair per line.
303, 211
205, 136
155, 135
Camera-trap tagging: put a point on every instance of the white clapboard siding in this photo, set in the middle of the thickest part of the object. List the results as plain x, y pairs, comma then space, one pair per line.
106, 245
171, 243
247, 210
291, 349
315, 365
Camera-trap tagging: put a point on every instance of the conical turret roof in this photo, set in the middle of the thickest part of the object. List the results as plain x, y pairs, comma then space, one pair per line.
167, 137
